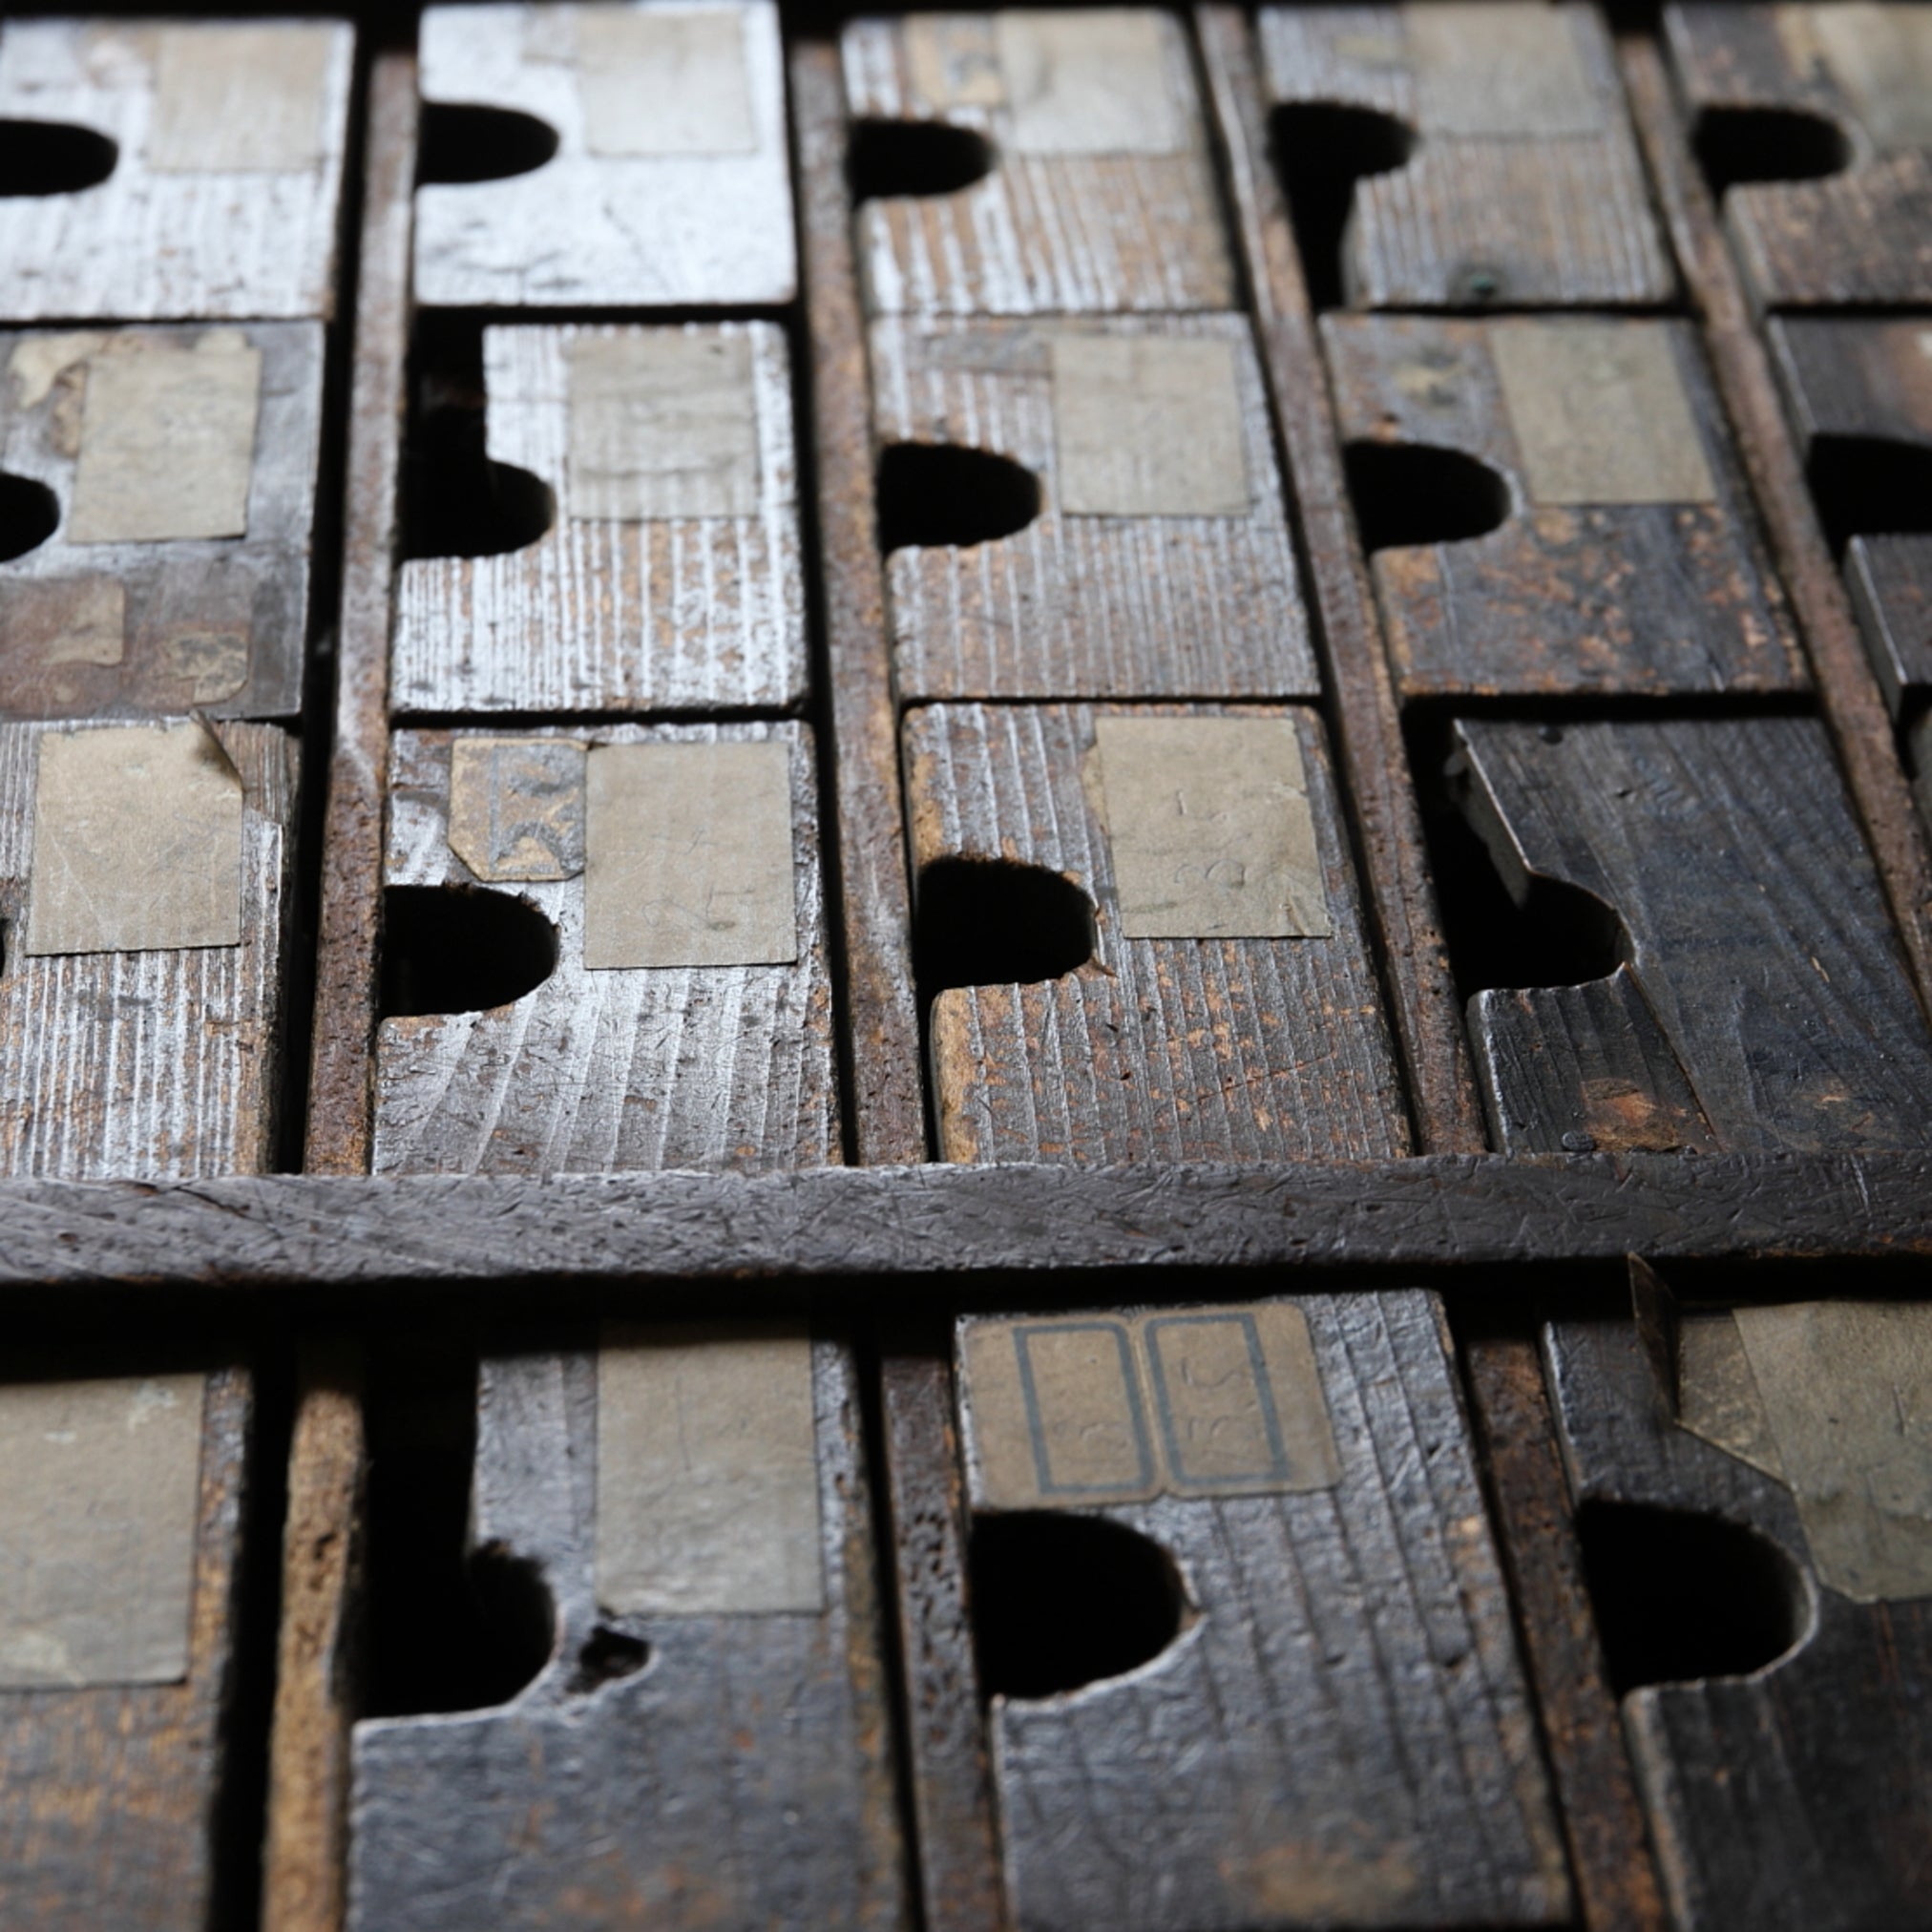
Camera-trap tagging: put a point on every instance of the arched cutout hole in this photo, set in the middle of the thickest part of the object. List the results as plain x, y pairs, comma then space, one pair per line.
29, 513
994, 922
460, 949
1735, 145
1409, 494
890, 160
606, 1656
462, 503
1321, 149
1061, 1600
938, 495
1870, 486
1679, 1596
53, 157
462, 144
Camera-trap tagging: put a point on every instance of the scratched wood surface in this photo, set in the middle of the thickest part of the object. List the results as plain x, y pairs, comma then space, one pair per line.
1153, 1049
1793, 1795
1523, 188
154, 1066
695, 613
152, 244
110, 1797
609, 1071
218, 625
1344, 1691
1074, 606
1041, 233
601, 224
1757, 955
1562, 598
1858, 236
741, 1776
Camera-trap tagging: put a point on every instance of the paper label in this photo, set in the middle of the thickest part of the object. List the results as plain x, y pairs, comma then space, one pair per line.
1210, 828
1882, 56
1089, 82
658, 82
55, 620
662, 425
707, 1497
1510, 67
1600, 414
952, 61
1148, 426
167, 448
232, 100
136, 842
1073, 1411
97, 1530
516, 806
689, 856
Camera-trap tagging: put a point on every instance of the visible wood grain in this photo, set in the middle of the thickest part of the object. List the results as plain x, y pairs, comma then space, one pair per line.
154, 1065
686, 614
1168, 1049
1618, 599
1508, 216
1083, 606
742, 1775
1345, 1693
215, 624
1042, 234
1855, 239
590, 230
610, 1071
1755, 928
147, 245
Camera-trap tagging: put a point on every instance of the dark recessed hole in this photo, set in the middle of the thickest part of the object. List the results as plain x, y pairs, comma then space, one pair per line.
1870, 486
460, 949
29, 513
1679, 1596
1321, 149
935, 495
1407, 494
1737, 144
606, 1656
994, 922
53, 157
1061, 1600
887, 160
481, 143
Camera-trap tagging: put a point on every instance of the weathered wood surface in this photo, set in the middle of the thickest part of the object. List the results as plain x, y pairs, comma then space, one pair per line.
661, 613
741, 1776
1089, 230
1344, 1690
1524, 188
1613, 599
110, 1797
1168, 1049
150, 1065
223, 236
607, 223
1751, 923
159, 627
609, 1070
1862, 236
1795, 1795
1080, 605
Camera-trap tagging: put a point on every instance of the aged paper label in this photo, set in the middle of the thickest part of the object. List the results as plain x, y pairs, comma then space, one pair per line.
1599, 413
167, 443
136, 842
689, 856
241, 99
97, 1530
1510, 67
953, 60
1882, 56
516, 806
64, 620
1210, 828
658, 82
1071, 1411
662, 425
1148, 426
1089, 82
707, 1471
1717, 1396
